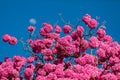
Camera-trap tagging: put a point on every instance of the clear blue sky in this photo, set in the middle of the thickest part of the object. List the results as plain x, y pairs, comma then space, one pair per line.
15, 15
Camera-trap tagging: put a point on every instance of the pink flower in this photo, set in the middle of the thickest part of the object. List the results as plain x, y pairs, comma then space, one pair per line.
80, 61
49, 67
7, 59
115, 67
54, 50
31, 29
74, 35
101, 53
19, 61
108, 76
17, 58
40, 78
48, 57
108, 51
28, 73
78, 68
51, 76
68, 73
86, 59
47, 52
94, 43
59, 72
31, 66
92, 24
48, 43
113, 60
6, 38
13, 41
54, 36
37, 45
80, 30
70, 49
92, 71
67, 29
84, 44
108, 39
90, 59
30, 59
47, 27
68, 38
41, 72
86, 19
15, 73
101, 33
63, 41
42, 32
58, 29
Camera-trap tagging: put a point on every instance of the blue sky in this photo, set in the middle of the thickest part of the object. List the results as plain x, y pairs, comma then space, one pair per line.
15, 16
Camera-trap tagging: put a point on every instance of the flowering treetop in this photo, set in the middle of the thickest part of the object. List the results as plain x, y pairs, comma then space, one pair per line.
65, 58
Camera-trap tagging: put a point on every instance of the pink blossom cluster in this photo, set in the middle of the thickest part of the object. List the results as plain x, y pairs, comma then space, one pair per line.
10, 69
31, 29
9, 39
66, 29
78, 55
92, 23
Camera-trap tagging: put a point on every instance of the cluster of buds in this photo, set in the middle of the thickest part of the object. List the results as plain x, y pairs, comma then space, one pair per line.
9, 39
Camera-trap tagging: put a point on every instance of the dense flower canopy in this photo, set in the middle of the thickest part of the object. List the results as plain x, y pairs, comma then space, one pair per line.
78, 55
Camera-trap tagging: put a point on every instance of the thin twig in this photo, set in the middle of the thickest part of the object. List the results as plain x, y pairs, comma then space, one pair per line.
91, 51
63, 20
77, 23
